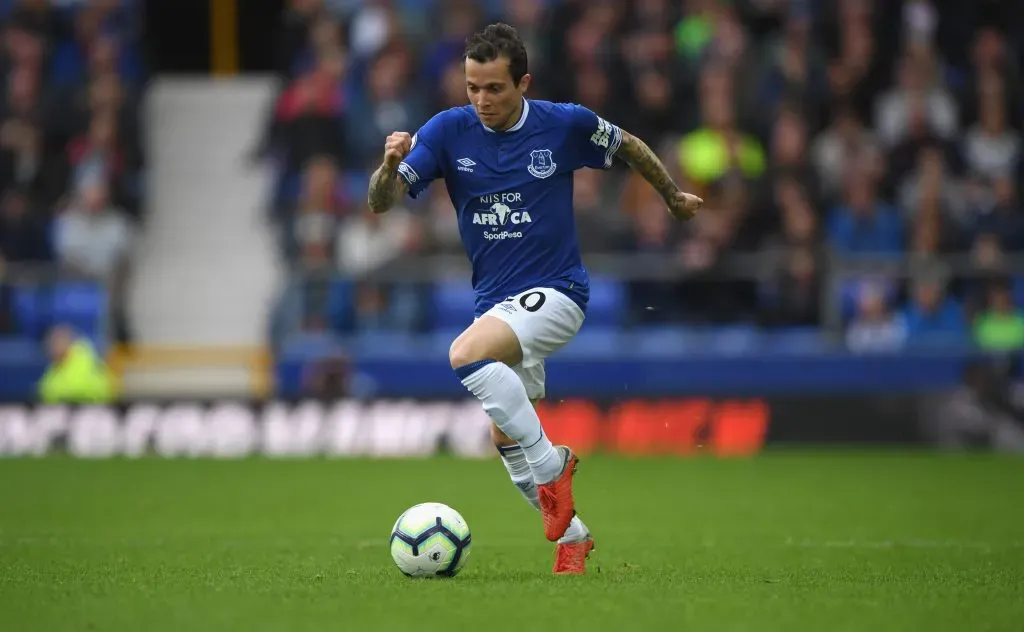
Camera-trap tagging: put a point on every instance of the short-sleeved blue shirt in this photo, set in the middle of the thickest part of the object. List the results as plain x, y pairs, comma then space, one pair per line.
513, 192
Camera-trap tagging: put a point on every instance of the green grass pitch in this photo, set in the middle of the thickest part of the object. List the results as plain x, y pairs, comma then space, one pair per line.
786, 541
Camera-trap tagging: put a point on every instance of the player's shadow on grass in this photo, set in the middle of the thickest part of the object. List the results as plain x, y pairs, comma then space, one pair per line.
505, 577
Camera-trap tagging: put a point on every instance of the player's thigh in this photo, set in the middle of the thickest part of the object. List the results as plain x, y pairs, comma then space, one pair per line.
488, 338
543, 320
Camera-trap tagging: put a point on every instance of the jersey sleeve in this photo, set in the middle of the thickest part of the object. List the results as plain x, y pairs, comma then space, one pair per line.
596, 139
423, 164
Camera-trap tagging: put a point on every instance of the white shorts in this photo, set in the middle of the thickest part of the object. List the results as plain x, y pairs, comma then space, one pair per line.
544, 320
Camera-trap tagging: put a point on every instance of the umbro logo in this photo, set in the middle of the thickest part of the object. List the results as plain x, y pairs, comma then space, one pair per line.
465, 164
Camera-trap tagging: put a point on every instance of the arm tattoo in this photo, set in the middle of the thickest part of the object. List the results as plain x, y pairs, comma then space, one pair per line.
386, 188
642, 159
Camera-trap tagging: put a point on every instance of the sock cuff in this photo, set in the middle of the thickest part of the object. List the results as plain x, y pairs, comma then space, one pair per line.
469, 369
506, 450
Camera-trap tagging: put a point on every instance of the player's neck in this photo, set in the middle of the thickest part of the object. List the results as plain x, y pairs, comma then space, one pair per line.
513, 119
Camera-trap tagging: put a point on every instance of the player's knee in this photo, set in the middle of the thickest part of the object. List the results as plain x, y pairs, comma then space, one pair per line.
487, 339
464, 353
466, 350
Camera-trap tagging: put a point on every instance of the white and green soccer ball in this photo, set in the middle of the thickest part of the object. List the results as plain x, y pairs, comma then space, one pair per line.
430, 540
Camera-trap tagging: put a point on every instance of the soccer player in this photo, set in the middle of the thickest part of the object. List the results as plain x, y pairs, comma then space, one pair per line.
508, 164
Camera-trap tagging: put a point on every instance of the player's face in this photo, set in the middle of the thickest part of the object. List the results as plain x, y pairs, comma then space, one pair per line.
492, 92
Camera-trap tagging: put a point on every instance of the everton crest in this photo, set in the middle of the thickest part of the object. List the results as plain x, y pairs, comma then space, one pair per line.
541, 163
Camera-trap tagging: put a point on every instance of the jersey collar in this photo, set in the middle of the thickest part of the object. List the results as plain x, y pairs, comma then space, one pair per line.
519, 124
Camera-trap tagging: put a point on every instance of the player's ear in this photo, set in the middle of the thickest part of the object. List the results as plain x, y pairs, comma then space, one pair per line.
524, 83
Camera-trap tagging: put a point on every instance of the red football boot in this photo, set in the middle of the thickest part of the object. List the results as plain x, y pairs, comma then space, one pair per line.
571, 557
556, 504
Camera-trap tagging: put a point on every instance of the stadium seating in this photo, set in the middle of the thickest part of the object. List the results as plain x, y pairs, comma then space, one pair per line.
65, 77
453, 303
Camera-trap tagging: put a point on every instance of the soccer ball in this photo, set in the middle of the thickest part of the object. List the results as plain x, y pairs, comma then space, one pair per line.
430, 540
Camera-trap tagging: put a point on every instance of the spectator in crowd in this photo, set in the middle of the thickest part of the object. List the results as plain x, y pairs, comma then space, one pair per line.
932, 316
1001, 326
94, 156
864, 224
373, 26
931, 185
23, 231
791, 296
389, 102
368, 242
657, 111
788, 153
598, 224
789, 293
933, 235
919, 94
21, 154
707, 295
993, 70
319, 210
530, 17
442, 223
94, 239
452, 93
1004, 220
77, 374
991, 148
846, 143
859, 41
294, 37
875, 328
719, 146
460, 19
308, 118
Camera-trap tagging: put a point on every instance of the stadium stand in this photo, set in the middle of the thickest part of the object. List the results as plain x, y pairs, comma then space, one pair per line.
824, 136
860, 163
71, 170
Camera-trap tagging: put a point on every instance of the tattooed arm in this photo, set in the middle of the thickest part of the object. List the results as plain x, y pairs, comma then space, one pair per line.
635, 153
386, 188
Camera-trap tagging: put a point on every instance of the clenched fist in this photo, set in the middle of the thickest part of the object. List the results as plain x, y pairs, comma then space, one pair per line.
396, 148
684, 205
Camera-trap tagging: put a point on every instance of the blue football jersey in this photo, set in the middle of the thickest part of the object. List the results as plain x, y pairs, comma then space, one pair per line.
513, 192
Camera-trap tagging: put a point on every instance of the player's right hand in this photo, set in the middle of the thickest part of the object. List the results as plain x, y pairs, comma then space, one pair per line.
396, 148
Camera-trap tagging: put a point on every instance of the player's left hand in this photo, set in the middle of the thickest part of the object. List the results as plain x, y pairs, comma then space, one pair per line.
684, 205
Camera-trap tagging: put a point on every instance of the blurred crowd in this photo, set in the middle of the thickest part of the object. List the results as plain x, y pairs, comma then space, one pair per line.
814, 130
71, 162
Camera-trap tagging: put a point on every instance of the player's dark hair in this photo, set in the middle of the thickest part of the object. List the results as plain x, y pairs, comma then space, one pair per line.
495, 41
